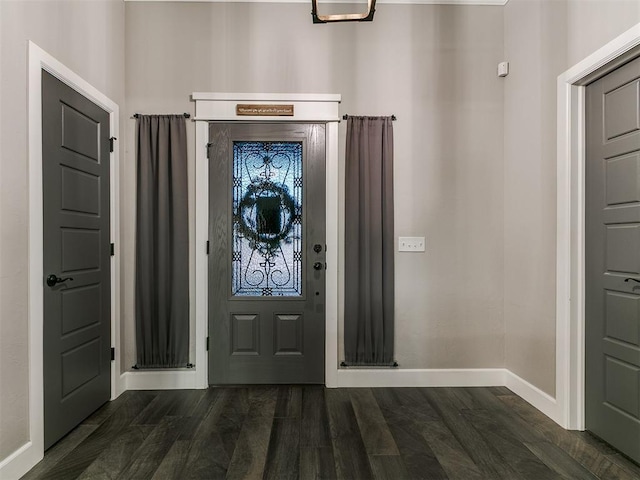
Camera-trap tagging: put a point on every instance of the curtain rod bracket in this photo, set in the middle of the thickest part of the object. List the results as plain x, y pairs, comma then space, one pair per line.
137, 115
346, 117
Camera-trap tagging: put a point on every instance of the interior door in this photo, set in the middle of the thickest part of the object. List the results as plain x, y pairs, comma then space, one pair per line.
77, 331
613, 259
267, 255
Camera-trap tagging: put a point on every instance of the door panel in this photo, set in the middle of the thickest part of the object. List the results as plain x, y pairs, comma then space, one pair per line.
612, 259
77, 330
620, 117
266, 264
622, 316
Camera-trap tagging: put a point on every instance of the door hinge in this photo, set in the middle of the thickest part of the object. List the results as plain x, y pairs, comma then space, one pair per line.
207, 247
111, 140
113, 354
112, 249
207, 344
209, 150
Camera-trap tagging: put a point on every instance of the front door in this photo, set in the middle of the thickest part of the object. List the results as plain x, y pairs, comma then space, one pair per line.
77, 330
612, 309
267, 253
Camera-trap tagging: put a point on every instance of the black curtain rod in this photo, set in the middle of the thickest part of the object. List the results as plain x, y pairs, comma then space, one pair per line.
345, 117
186, 115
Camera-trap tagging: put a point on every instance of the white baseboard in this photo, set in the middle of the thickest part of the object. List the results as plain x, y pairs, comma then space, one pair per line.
395, 377
533, 395
160, 380
20, 462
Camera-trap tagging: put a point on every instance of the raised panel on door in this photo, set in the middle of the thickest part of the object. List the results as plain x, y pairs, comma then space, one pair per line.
77, 329
612, 259
267, 231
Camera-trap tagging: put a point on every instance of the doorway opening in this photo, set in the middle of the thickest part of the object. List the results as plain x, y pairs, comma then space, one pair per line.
320, 109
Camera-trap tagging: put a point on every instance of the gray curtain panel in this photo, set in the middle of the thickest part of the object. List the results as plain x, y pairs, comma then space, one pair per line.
162, 242
369, 245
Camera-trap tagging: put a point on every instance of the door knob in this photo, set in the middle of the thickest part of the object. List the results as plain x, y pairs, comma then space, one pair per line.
53, 280
317, 266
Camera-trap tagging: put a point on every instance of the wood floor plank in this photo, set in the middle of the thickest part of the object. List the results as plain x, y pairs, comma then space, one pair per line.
289, 402
283, 457
172, 465
232, 417
376, 436
424, 467
348, 449
60, 450
451, 455
578, 447
500, 391
215, 440
185, 403
174, 462
387, 467
155, 447
159, 407
624, 463
76, 461
201, 410
461, 398
250, 454
491, 463
515, 453
314, 429
118, 454
402, 415
317, 463
559, 461
518, 427
207, 458
107, 409
410, 401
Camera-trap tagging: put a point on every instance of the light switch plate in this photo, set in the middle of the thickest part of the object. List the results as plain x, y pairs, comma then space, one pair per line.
411, 244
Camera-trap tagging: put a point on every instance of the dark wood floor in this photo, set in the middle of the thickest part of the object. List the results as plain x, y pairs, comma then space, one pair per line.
312, 432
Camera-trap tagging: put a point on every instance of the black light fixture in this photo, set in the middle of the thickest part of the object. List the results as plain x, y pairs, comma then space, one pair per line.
343, 17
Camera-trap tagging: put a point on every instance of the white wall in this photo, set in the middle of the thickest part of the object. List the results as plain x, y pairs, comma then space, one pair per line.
432, 66
87, 37
543, 38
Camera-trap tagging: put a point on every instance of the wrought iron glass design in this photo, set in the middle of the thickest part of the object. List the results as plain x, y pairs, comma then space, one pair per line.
267, 219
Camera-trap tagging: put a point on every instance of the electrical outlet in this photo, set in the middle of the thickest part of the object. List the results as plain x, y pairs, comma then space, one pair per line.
411, 244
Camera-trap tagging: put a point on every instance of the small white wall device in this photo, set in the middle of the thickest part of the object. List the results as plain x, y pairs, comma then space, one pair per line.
503, 69
411, 244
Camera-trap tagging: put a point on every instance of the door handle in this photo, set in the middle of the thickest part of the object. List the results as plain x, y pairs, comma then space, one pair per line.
631, 279
317, 266
53, 280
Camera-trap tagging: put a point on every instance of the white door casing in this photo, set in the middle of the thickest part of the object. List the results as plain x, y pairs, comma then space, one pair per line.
570, 275
307, 108
33, 451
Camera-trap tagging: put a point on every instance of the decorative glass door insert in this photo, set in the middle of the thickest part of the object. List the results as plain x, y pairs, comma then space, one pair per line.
267, 206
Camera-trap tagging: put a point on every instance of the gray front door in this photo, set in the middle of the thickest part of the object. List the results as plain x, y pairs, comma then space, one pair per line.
267, 255
612, 259
77, 331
